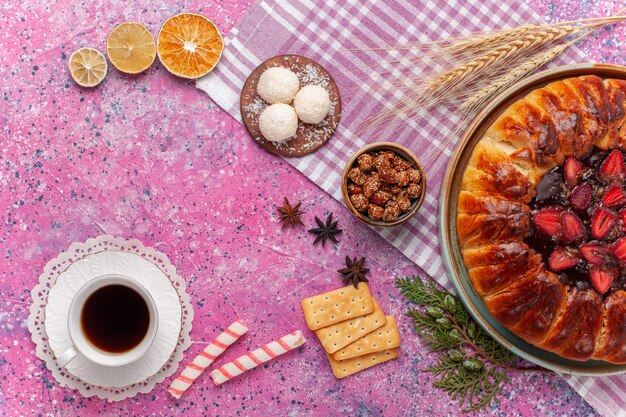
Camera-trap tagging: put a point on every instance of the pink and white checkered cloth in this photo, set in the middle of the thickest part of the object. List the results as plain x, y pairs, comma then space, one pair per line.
331, 32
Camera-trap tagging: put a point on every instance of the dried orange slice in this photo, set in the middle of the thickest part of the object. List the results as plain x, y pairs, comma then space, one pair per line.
131, 48
189, 45
88, 67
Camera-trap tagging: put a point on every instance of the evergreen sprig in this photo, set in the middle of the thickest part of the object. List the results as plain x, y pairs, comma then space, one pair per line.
471, 366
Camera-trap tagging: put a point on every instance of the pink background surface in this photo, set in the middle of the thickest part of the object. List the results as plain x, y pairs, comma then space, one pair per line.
150, 157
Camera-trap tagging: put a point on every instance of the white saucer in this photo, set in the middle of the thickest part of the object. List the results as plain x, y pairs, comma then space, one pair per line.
160, 288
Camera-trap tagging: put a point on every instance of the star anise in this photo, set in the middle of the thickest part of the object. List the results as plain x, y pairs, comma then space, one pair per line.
354, 273
290, 216
325, 231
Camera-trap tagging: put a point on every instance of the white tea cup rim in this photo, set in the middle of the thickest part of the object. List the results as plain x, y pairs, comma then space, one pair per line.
80, 343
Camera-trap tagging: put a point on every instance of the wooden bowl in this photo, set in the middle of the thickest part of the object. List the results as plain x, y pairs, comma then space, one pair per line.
404, 153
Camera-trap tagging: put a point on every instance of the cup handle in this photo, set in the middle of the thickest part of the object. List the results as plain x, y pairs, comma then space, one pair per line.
66, 357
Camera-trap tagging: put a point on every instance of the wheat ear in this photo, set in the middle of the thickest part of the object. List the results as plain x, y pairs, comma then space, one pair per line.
444, 86
418, 46
489, 39
479, 43
464, 76
452, 81
503, 82
484, 35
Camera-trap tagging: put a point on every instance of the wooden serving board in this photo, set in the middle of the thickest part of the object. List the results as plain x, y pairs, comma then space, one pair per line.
309, 137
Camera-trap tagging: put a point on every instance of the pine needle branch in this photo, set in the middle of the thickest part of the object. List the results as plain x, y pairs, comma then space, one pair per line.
471, 366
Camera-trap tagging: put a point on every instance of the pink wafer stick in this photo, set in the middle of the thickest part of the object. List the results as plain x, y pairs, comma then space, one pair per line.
253, 359
206, 358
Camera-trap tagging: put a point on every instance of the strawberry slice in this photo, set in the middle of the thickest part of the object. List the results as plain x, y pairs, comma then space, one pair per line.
613, 169
572, 227
595, 253
548, 221
563, 258
622, 216
619, 250
581, 197
573, 171
614, 197
601, 279
602, 223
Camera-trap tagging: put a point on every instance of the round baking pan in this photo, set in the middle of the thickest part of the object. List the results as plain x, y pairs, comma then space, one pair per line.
448, 238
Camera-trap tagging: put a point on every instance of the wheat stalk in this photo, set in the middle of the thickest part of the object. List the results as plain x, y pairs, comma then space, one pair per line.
506, 47
528, 42
417, 46
503, 82
484, 43
414, 45
477, 99
489, 39
444, 86
529, 38
448, 51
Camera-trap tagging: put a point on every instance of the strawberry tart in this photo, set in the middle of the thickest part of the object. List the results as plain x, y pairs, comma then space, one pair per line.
542, 218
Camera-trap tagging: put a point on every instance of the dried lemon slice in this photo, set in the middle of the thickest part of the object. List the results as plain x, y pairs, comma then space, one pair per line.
88, 67
131, 48
189, 45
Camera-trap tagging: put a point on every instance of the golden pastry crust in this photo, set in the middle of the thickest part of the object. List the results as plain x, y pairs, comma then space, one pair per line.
617, 95
530, 305
506, 182
480, 229
496, 254
535, 134
574, 334
524, 297
476, 202
595, 109
571, 117
612, 340
489, 279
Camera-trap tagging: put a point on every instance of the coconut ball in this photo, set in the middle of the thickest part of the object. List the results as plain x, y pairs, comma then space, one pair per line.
312, 103
278, 85
278, 122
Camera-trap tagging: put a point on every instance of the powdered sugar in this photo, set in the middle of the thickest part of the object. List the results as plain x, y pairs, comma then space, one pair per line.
310, 75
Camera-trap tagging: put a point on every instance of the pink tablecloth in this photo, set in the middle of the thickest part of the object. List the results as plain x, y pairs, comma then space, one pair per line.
331, 32
150, 157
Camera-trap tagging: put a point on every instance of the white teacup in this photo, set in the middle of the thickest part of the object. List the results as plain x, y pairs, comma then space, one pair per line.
82, 345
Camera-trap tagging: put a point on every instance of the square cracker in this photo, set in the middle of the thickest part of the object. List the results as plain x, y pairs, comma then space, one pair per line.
351, 366
342, 334
338, 305
383, 338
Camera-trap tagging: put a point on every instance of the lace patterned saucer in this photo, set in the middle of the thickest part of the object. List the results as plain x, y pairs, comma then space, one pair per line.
147, 274
84, 261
